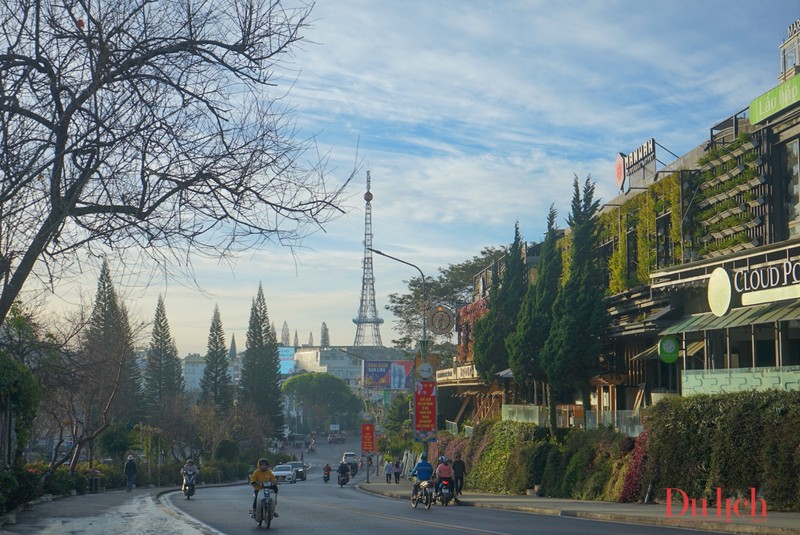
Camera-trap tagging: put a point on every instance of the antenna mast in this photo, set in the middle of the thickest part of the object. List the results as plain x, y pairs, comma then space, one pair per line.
368, 323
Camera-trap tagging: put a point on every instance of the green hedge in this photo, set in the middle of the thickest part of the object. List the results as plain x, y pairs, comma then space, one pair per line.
732, 441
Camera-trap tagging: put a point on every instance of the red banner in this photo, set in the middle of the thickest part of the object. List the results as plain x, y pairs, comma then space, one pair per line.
425, 411
367, 438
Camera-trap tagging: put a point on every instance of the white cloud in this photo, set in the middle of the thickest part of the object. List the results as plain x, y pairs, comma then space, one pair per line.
471, 116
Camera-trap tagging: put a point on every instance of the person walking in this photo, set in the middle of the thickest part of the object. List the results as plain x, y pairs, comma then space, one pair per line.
130, 472
388, 469
459, 472
396, 469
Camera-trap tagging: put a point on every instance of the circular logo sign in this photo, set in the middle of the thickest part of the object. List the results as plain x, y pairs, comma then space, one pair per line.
720, 292
442, 320
668, 349
425, 370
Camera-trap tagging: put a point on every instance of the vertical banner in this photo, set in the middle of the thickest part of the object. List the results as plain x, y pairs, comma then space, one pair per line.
425, 411
367, 438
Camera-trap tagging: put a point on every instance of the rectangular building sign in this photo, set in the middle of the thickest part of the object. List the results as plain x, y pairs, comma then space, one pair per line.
775, 100
425, 411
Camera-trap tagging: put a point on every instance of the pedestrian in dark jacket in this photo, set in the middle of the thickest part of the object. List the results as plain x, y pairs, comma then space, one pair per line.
459, 472
130, 472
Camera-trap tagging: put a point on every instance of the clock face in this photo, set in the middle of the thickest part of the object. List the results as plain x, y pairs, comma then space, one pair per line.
425, 370
669, 345
442, 320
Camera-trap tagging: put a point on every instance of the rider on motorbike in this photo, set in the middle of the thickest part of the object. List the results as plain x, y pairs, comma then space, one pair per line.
258, 480
326, 470
423, 472
189, 469
444, 471
344, 468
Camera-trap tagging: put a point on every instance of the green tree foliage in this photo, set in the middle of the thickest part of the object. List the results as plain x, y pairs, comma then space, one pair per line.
452, 288
526, 343
260, 382
215, 386
108, 344
163, 380
18, 388
324, 336
322, 396
505, 300
580, 317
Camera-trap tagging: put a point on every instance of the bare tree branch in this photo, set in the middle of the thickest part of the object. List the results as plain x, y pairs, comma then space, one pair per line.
152, 125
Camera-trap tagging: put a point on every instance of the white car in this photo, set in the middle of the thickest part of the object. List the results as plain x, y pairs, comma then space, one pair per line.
284, 474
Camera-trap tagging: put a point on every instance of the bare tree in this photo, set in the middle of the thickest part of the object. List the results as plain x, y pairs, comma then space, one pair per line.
152, 127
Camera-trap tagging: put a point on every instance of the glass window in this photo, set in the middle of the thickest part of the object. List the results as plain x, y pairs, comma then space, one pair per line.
792, 167
789, 56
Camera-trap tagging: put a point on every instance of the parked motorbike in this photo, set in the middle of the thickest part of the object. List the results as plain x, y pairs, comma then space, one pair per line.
343, 479
188, 484
265, 507
424, 494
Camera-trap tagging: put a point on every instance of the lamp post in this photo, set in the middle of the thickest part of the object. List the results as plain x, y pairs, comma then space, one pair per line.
423, 343
425, 370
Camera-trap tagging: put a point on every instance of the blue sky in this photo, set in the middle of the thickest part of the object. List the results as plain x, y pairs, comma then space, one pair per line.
471, 116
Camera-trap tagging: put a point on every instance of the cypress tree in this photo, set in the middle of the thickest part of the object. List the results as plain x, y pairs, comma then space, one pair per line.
163, 380
580, 318
260, 382
324, 336
526, 343
215, 385
505, 299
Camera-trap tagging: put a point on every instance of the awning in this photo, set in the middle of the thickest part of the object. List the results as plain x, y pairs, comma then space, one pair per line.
738, 317
650, 353
693, 348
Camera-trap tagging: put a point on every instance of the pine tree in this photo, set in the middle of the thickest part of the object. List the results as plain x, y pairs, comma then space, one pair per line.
311, 339
526, 343
109, 349
215, 385
580, 318
260, 382
505, 299
163, 380
324, 336
296, 339
232, 350
285, 335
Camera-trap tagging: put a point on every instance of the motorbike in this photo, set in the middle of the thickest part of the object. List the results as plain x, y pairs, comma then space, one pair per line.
445, 494
424, 495
343, 479
326, 476
189, 483
264, 507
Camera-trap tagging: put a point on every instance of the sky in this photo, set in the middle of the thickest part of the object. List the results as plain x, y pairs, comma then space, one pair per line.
471, 116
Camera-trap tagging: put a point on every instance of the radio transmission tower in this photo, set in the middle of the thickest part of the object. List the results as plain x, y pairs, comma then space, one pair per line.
368, 323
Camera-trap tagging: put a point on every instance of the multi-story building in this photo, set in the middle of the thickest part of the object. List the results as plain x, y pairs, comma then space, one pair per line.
703, 262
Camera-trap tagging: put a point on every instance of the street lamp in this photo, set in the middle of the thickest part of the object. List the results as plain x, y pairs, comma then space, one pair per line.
423, 343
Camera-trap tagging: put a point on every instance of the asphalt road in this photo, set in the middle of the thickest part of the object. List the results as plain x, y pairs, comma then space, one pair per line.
315, 508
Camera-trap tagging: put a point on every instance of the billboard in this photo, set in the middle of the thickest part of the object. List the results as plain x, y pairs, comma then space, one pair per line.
425, 411
286, 356
392, 374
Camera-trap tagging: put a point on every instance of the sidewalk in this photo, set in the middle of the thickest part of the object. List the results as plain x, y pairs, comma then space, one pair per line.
113, 511
632, 513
